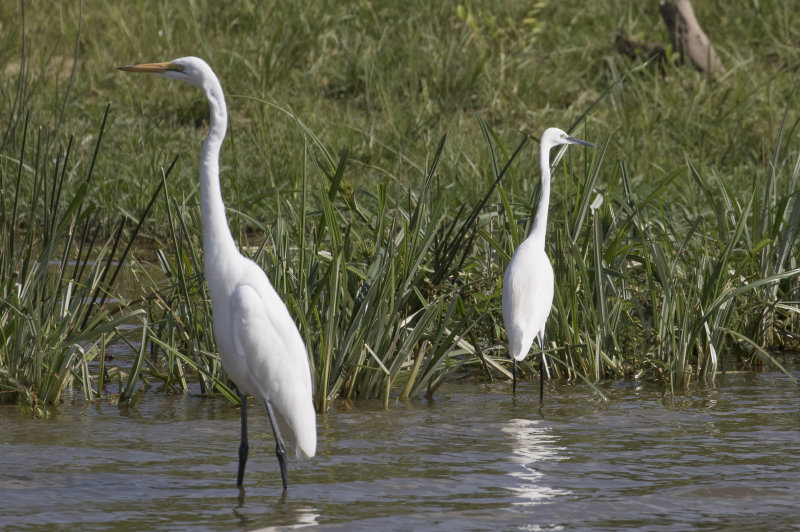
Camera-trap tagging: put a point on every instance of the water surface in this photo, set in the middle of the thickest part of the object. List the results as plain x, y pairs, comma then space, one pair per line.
472, 458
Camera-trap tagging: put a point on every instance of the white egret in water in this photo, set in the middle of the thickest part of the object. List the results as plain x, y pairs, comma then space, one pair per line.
259, 344
528, 281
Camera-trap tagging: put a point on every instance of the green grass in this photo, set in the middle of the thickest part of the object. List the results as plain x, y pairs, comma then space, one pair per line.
359, 170
56, 313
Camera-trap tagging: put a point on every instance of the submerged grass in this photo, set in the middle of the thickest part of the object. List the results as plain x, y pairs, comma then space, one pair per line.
377, 169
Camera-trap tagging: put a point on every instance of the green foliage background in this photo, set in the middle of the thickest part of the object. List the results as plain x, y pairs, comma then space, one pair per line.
337, 114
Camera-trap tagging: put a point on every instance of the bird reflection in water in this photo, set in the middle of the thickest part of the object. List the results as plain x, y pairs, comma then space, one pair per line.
533, 445
284, 515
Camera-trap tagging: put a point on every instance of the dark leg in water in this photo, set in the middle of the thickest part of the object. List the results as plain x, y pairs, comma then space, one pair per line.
541, 370
280, 449
243, 446
514, 380
541, 378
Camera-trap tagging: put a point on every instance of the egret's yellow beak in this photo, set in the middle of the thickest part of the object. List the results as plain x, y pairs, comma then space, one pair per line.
152, 68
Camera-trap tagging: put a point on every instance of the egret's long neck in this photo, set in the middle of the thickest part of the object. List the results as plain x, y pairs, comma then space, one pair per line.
217, 240
540, 221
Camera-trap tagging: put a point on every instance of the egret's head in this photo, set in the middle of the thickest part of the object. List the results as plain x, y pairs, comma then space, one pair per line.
554, 136
192, 70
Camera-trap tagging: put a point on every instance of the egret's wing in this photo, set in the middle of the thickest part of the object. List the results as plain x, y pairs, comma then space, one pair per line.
256, 340
527, 298
267, 338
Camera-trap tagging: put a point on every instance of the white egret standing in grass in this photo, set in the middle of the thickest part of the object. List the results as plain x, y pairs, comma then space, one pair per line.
259, 344
528, 281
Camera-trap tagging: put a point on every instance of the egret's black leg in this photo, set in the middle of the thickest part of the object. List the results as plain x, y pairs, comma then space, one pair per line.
541, 378
541, 370
243, 446
280, 450
514, 380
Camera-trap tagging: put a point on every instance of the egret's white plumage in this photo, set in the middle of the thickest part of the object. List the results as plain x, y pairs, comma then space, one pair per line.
528, 281
259, 344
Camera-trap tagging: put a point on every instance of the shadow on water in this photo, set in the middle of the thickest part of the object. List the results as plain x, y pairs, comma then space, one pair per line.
471, 459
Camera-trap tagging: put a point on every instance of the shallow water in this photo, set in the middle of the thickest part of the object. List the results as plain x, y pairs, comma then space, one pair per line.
472, 458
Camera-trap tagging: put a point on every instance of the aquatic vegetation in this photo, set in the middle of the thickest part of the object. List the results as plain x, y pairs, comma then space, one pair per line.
58, 310
386, 179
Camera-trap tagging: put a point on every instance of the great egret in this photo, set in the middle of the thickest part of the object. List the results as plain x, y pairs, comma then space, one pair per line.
528, 281
259, 344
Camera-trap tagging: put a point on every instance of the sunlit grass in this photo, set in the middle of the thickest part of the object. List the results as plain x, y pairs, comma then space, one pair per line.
360, 172
58, 270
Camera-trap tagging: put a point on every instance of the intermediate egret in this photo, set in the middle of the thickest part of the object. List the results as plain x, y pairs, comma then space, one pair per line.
528, 281
259, 344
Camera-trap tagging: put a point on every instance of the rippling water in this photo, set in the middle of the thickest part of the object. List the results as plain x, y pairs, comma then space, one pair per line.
472, 458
